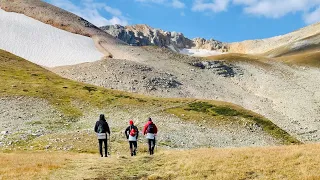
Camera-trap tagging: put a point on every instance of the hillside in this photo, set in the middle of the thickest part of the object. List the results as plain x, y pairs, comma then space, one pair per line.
304, 38
48, 107
265, 86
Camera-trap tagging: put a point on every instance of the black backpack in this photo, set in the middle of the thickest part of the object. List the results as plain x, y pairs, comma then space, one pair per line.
151, 128
100, 128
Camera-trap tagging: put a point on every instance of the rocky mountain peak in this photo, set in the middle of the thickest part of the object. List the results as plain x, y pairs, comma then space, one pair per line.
144, 35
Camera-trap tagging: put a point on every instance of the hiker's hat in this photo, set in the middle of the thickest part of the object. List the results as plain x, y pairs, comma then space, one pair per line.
131, 122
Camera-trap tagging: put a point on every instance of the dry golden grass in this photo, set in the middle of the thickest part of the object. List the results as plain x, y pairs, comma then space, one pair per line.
36, 165
306, 58
236, 57
284, 162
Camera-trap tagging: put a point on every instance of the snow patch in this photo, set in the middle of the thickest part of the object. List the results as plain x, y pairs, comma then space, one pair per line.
172, 48
199, 52
43, 44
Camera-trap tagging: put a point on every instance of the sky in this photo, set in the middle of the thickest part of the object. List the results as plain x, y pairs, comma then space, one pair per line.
223, 20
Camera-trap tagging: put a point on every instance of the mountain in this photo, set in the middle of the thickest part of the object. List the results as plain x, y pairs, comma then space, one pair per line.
144, 35
204, 109
252, 83
305, 40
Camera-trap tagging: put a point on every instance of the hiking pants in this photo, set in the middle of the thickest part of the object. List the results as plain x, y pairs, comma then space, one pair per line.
152, 144
105, 141
133, 146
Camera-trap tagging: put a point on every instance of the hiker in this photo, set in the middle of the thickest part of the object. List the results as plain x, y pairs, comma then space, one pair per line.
132, 134
150, 129
102, 128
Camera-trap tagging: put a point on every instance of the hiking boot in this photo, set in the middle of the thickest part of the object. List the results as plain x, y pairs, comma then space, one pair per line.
106, 155
134, 153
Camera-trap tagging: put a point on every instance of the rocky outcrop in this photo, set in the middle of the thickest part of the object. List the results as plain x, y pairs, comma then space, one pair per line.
144, 35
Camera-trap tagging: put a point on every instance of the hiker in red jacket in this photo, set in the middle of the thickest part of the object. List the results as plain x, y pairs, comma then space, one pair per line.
132, 134
150, 129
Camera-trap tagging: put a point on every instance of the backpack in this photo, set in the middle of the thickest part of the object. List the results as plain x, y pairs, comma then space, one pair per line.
151, 128
133, 132
100, 128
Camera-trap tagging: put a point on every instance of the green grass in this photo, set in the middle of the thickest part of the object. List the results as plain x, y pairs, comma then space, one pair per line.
219, 114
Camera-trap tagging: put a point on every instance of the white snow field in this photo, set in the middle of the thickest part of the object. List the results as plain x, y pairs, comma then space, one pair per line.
199, 52
43, 44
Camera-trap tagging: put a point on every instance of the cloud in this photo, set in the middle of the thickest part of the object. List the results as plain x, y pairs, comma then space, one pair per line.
266, 8
113, 11
178, 4
313, 16
215, 5
90, 10
276, 9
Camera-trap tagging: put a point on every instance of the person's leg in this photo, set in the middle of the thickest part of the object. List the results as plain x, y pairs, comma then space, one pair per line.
105, 147
153, 145
135, 144
131, 148
100, 147
149, 143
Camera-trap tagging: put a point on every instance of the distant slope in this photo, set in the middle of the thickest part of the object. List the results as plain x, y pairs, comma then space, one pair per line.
311, 43
296, 38
307, 58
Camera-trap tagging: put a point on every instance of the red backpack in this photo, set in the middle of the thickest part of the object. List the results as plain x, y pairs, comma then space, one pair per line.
133, 132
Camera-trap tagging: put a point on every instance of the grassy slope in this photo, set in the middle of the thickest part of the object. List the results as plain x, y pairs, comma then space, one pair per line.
236, 57
308, 55
307, 58
224, 113
284, 162
287, 50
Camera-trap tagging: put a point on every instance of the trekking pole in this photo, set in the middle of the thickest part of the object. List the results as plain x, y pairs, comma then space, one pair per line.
155, 143
109, 151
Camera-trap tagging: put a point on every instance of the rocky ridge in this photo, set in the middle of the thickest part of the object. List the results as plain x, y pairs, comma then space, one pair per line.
144, 35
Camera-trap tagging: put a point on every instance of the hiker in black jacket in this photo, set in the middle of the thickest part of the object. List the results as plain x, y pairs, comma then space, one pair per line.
102, 128
132, 134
